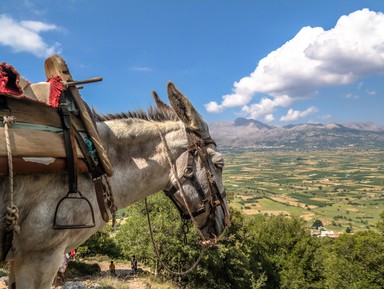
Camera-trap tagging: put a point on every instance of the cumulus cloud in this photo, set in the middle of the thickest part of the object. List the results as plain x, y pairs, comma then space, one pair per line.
269, 118
213, 107
266, 106
314, 58
296, 114
25, 36
230, 100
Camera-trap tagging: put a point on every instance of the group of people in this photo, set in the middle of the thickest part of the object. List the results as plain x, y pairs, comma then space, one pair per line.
66, 258
112, 267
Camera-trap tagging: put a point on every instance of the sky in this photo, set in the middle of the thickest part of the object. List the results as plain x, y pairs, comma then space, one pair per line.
277, 61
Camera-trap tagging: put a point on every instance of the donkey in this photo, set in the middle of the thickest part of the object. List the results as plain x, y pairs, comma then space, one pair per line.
149, 152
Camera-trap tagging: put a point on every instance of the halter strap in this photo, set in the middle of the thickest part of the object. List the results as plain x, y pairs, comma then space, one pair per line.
182, 192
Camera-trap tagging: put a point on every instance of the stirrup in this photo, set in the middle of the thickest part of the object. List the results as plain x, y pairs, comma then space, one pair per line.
73, 200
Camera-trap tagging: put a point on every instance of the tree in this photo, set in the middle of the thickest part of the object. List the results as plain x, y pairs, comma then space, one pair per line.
275, 237
380, 224
355, 261
233, 263
100, 243
317, 224
348, 230
167, 229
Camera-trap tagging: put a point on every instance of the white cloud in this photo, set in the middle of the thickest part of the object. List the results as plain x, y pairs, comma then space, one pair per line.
326, 116
266, 106
296, 114
230, 100
352, 96
213, 107
371, 92
269, 118
141, 68
314, 58
38, 26
24, 36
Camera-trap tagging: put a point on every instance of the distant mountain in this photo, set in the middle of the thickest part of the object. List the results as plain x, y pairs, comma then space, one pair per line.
365, 126
251, 134
250, 122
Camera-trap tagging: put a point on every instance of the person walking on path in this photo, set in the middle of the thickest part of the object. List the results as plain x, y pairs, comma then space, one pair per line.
62, 269
112, 268
134, 264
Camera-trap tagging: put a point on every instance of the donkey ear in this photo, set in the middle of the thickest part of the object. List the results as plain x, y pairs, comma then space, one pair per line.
159, 103
186, 112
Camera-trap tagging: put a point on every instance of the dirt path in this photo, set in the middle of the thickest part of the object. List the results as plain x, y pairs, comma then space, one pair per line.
123, 272
124, 277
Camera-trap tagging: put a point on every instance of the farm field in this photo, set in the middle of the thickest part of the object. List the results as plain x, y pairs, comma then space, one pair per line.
342, 188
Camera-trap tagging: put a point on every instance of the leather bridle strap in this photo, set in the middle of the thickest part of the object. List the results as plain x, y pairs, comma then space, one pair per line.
188, 175
180, 187
216, 198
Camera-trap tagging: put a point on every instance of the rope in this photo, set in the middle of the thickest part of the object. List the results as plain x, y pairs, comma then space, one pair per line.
12, 214
157, 252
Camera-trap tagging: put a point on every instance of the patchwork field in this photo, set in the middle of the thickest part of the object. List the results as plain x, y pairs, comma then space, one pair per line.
343, 189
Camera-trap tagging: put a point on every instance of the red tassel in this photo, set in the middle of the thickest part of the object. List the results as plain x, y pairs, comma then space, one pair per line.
55, 90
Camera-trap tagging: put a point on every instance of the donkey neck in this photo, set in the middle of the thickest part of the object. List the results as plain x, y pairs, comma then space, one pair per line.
138, 157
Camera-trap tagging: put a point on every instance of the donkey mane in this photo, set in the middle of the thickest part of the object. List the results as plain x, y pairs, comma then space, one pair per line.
153, 114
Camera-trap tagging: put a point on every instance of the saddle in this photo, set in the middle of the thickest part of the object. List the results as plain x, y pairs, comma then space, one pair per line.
54, 131
37, 129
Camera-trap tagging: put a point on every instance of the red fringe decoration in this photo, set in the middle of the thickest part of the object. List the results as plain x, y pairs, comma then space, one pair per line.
55, 90
9, 80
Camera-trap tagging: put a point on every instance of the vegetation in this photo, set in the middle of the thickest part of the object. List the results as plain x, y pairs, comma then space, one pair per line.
275, 198
100, 243
256, 252
76, 268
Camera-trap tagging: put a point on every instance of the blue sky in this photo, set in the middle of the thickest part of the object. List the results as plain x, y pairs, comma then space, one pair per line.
276, 61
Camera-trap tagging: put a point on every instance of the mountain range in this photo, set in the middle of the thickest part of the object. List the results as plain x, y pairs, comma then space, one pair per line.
251, 134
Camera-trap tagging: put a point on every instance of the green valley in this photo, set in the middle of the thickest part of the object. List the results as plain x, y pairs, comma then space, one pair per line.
342, 188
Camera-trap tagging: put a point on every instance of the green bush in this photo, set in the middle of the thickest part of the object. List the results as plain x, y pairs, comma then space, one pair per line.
76, 268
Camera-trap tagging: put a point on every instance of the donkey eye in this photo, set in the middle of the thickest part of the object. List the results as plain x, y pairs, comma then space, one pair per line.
219, 165
217, 159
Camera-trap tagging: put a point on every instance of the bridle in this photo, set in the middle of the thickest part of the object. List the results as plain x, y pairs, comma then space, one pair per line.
197, 148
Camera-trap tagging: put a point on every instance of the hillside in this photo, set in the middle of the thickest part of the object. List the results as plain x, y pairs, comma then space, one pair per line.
251, 134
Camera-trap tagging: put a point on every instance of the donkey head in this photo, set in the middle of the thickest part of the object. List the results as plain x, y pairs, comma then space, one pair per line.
197, 189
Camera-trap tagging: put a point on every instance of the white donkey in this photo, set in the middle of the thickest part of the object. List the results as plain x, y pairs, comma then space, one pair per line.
168, 148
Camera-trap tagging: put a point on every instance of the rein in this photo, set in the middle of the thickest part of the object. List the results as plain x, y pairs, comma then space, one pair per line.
157, 252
